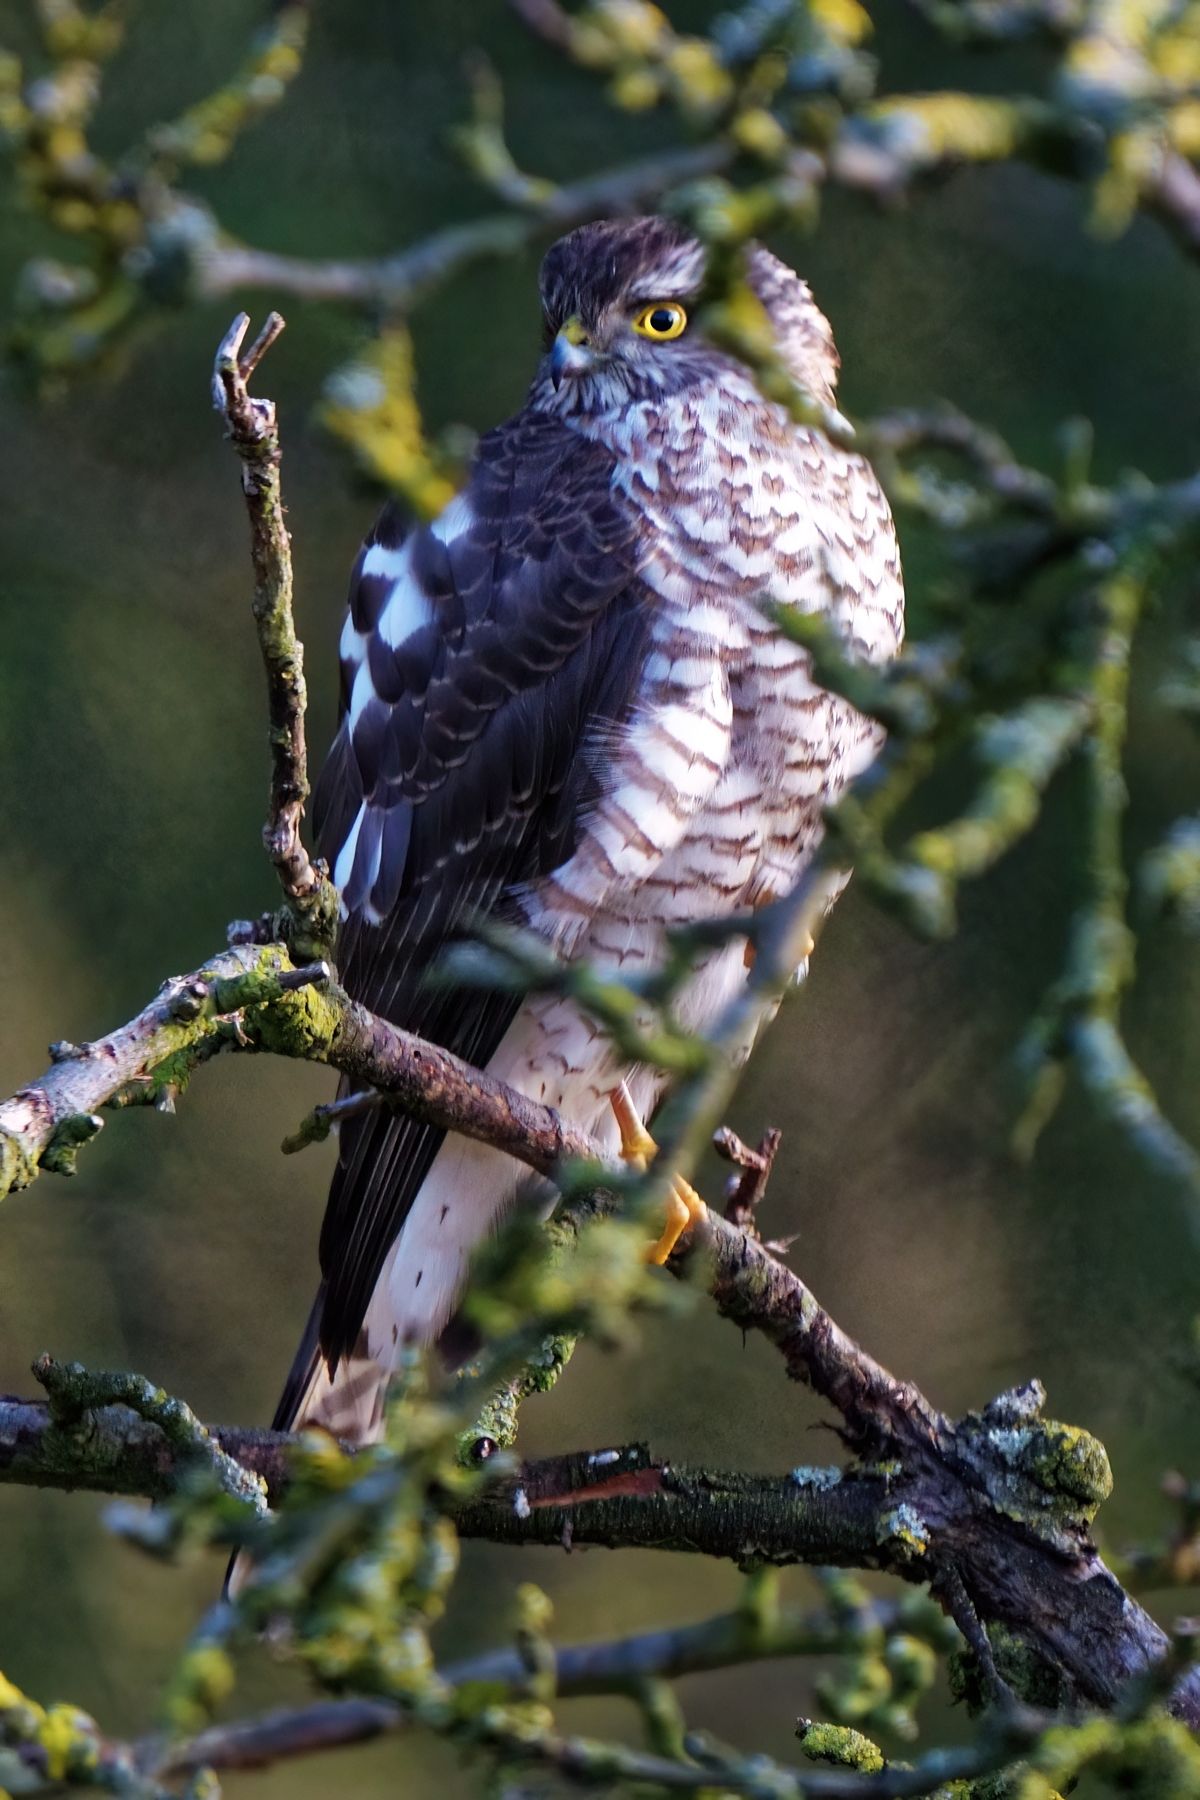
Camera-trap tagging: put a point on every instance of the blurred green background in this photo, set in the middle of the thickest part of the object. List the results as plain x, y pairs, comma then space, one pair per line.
132, 776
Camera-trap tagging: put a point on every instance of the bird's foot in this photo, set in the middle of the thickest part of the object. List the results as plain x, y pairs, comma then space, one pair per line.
638, 1148
685, 1208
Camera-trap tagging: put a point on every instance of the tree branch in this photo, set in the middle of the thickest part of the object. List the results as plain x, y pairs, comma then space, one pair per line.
112, 1449
401, 281
616, 1666
253, 430
1001, 1498
622, 1498
150, 1059
286, 1733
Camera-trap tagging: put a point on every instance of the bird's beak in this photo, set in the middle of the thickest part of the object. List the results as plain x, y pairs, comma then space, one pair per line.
571, 353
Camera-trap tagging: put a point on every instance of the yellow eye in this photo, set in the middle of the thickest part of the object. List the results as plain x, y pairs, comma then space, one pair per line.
661, 320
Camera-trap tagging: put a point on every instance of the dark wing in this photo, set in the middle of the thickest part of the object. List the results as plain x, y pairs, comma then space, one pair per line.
475, 658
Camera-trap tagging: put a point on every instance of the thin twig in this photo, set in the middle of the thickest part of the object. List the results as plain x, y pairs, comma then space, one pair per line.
745, 1191
316, 1126
611, 1666
290, 1732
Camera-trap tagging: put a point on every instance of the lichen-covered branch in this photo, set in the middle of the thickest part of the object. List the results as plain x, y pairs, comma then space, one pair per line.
1001, 1500
748, 1634
254, 432
109, 1446
147, 1061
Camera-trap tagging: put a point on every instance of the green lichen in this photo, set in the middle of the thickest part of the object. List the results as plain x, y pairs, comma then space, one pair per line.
1052, 1477
839, 1744
1154, 1758
301, 1023
66, 1739
370, 404
1066, 1459
1046, 1467
495, 1425
1007, 1784
70, 1135
1019, 1666
203, 1678
17, 1167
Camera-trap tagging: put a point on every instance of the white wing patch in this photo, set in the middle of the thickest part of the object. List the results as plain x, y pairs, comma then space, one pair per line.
454, 521
345, 858
392, 564
406, 612
352, 645
361, 694
407, 607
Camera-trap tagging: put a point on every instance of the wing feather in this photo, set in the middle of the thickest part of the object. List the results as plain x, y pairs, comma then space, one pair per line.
459, 767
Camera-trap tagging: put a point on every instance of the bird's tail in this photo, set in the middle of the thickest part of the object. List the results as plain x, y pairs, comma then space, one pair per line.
348, 1403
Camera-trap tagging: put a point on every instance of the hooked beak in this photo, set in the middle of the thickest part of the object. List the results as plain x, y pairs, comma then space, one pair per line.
571, 353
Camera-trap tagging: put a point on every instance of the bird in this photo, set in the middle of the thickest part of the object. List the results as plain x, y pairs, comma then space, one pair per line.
568, 703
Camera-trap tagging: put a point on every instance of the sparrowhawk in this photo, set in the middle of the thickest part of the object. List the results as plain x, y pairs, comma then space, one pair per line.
567, 702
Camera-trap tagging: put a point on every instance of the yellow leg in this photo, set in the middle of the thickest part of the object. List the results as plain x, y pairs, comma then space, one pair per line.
638, 1148
685, 1208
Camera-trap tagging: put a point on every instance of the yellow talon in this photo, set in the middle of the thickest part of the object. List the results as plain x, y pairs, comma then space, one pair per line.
685, 1208
638, 1148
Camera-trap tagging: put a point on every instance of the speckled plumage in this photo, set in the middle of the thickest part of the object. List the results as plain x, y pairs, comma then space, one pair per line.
566, 702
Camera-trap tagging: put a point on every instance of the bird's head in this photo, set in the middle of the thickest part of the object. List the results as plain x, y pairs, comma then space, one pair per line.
618, 305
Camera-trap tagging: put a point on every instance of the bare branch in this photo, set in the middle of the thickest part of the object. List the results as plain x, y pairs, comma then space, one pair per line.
745, 1190
253, 430
399, 282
